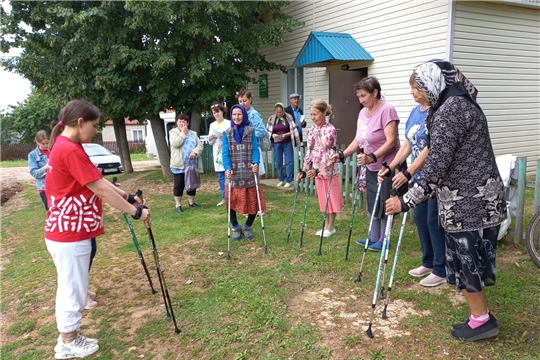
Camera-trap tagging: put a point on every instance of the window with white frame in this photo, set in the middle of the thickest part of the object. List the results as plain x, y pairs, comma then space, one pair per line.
137, 135
295, 81
292, 82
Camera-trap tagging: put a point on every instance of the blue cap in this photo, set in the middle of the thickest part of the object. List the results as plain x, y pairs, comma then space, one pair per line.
294, 95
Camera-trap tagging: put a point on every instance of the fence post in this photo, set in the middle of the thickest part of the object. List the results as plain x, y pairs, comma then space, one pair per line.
522, 182
536, 205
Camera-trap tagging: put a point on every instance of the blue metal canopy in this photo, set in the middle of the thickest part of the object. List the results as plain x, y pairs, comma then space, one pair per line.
323, 47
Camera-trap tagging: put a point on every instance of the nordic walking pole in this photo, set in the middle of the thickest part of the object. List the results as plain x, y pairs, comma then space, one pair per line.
161, 277
353, 208
393, 192
394, 264
326, 206
377, 282
306, 184
136, 242
260, 211
366, 245
139, 252
229, 222
293, 207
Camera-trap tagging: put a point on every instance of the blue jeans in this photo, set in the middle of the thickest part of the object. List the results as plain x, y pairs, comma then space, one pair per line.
221, 180
431, 236
279, 151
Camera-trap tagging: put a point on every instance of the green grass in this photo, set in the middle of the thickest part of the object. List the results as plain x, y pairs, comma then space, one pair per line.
254, 306
13, 163
139, 157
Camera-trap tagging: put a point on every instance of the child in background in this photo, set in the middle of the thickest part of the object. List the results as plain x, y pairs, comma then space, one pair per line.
318, 163
37, 163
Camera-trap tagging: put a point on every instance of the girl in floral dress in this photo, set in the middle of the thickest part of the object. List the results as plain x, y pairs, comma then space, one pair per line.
318, 163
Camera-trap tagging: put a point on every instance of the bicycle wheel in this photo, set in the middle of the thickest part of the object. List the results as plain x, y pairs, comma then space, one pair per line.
533, 238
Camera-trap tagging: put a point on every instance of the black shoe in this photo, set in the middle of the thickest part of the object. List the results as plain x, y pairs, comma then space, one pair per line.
179, 209
194, 205
462, 325
487, 330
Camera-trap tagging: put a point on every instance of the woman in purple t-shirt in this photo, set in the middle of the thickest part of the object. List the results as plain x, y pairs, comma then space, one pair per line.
377, 134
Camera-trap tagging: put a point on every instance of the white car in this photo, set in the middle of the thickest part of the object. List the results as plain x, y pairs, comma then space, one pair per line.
105, 161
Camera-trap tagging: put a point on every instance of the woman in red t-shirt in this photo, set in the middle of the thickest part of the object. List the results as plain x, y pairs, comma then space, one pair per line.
75, 189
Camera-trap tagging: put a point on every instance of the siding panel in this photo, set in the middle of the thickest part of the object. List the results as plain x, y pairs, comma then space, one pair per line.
497, 47
395, 33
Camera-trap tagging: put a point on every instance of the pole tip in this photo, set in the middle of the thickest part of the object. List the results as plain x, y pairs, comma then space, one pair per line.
177, 331
153, 291
369, 333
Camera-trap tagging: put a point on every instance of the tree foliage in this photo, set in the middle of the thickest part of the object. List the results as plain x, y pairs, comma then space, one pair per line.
28, 117
137, 58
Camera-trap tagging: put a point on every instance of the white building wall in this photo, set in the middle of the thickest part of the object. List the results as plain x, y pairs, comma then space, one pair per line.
108, 132
498, 48
398, 34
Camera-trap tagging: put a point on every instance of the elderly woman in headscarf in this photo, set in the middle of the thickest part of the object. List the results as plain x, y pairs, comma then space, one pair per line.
241, 162
460, 167
284, 134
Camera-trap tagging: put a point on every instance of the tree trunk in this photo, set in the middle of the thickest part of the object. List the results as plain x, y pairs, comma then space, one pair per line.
195, 123
119, 126
158, 130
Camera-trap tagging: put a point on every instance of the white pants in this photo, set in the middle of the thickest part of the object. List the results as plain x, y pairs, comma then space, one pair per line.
72, 260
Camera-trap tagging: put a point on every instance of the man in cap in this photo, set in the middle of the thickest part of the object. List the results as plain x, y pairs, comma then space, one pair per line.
296, 113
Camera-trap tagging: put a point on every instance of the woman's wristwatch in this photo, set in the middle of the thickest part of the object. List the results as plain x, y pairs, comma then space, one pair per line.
372, 155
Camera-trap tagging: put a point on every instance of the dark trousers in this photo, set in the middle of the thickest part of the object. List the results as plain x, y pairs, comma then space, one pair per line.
249, 221
431, 236
180, 184
93, 252
43, 197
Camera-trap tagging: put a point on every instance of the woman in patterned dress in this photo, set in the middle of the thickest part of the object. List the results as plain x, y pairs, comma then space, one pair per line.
460, 168
318, 163
241, 162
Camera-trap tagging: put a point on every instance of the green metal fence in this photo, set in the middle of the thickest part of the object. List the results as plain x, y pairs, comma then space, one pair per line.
348, 171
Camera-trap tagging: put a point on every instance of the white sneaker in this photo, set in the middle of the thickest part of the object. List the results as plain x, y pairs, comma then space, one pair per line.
90, 304
287, 185
328, 233
90, 340
78, 348
420, 271
280, 184
221, 203
318, 233
433, 280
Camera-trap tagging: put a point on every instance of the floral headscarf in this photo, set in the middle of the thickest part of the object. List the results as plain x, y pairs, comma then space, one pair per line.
435, 76
282, 118
440, 80
238, 130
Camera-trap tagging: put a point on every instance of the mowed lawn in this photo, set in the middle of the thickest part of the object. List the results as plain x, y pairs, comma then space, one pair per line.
287, 304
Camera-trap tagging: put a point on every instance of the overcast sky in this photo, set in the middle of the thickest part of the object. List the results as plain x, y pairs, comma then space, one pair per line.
13, 87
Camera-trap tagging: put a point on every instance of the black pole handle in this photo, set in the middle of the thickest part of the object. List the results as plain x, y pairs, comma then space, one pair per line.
385, 165
362, 151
